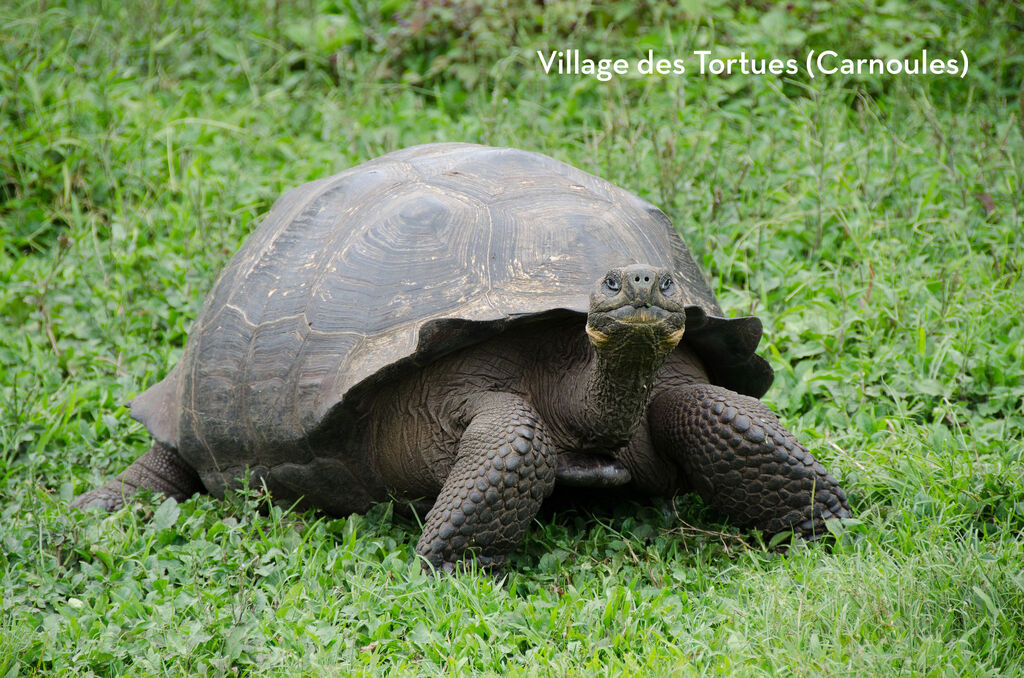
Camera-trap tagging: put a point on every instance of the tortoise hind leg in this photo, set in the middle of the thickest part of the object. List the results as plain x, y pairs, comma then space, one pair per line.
160, 469
743, 462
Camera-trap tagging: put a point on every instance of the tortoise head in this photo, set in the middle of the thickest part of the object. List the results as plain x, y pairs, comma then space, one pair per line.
638, 306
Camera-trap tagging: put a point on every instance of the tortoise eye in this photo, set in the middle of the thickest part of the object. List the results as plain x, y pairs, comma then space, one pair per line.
666, 283
612, 283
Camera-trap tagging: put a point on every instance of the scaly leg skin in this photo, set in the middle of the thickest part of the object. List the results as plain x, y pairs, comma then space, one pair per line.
161, 470
503, 471
743, 462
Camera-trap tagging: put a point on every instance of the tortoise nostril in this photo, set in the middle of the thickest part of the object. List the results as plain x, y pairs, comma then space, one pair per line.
641, 278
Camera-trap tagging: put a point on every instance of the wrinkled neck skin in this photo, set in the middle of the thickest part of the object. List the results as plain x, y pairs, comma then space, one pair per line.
616, 388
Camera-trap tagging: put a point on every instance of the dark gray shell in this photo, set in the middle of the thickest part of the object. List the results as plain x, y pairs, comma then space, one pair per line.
355, 277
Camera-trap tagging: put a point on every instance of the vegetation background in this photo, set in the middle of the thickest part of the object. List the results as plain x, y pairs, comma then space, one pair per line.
873, 222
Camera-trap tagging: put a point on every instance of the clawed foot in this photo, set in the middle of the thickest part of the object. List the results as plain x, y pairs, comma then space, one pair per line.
160, 470
109, 497
493, 566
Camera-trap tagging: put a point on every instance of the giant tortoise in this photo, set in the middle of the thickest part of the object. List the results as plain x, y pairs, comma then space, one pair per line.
470, 328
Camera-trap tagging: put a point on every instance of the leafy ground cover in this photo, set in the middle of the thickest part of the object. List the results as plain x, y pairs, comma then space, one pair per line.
874, 223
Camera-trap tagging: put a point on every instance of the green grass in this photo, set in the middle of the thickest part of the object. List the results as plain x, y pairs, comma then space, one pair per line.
874, 224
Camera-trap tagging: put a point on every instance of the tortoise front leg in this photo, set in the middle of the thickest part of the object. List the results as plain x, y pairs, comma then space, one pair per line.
161, 469
743, 462
503, 471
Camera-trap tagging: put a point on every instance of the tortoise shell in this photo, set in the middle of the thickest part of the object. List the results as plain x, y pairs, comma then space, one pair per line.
354, 278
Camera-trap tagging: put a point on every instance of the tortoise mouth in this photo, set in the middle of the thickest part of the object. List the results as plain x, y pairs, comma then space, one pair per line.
646, 314
636, 325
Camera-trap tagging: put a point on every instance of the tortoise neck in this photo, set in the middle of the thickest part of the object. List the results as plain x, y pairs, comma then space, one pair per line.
617, 389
